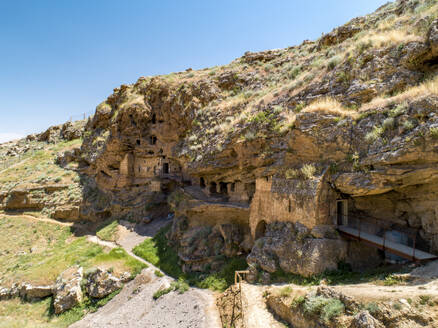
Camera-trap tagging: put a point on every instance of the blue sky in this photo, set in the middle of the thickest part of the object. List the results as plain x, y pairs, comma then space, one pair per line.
60, 58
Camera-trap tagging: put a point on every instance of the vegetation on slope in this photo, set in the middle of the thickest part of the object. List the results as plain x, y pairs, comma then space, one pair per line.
157, 251
37, 252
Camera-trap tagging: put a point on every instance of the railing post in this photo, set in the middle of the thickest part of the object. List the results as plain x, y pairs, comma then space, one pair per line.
413, 251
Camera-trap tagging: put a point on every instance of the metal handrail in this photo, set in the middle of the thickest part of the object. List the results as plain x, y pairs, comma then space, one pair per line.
385, 230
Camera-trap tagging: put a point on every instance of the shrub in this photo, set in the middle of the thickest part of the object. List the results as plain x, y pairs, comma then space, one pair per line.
308, 171
424, 299
180, 286
388, 123
374, 134
408, 125
434, 132
294, 72
298, 301
292, 174
249, 136
158, 273
286, 291
333, 62
399, 110
372, 307
326, 308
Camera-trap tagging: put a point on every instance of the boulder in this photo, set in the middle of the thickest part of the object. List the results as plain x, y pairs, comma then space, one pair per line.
67, 291
101, 283
365, 320
432, 37
70, 132
30, 292
293, 249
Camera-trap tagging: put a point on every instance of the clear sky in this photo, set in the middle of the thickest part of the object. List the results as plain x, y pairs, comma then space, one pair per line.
60, 58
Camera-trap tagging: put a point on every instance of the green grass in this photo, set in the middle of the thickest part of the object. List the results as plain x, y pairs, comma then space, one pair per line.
54, 249
180, 285
157, 251
108, 230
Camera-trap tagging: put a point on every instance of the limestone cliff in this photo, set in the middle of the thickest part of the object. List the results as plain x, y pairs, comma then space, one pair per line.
267, 147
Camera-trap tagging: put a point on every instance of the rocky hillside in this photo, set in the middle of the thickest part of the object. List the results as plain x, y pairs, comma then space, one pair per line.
254, 156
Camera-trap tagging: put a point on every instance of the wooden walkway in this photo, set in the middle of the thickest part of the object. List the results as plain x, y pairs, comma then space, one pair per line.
386, 245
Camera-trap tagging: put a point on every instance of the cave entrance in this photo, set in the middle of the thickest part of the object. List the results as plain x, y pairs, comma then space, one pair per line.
342, 212
260, 230
213, 189
223, 188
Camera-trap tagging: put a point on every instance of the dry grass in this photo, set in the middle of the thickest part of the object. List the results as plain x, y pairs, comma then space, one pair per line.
390, 37
426, 88
329, 106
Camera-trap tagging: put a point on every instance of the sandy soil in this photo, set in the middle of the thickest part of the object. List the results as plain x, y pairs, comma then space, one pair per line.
256, 313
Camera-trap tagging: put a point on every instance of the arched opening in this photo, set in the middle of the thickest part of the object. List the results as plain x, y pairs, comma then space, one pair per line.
153, 140
260, 230
213, 189
154, 119
138, 142
223, 188
202, 182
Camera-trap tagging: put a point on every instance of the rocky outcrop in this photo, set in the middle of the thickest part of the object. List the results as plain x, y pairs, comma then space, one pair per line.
67, 291
101, 283
365, 320
202, 248
292, 248
67, 131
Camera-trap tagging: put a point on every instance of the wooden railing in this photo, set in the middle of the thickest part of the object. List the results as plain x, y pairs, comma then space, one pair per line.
238, 277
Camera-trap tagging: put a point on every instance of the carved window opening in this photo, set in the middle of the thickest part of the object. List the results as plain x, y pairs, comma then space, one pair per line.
202, 183
153, 140
233, 187
154, 119
138, 142
166, 168
289, 207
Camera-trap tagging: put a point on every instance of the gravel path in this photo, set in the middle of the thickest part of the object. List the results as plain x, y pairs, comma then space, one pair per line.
135, 307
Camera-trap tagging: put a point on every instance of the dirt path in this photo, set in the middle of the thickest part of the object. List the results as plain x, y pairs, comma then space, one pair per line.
256, 314
369, 292
40, 219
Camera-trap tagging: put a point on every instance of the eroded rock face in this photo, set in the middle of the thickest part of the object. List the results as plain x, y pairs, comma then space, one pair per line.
292, 248
201, 248
365, 320
101, 283
67, 291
